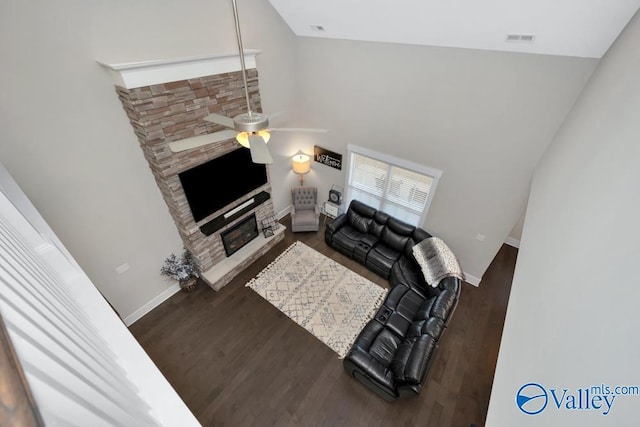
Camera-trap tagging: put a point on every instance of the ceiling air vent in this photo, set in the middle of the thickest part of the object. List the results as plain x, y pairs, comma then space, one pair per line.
520, 38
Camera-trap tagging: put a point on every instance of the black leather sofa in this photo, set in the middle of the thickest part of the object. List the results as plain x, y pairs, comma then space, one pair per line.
394, 351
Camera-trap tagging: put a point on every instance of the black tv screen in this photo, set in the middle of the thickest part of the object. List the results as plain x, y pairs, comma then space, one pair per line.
213, 185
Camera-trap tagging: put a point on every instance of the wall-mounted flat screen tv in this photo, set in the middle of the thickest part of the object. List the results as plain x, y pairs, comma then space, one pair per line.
217, 183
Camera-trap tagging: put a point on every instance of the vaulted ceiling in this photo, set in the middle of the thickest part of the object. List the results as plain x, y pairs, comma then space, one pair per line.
584, 28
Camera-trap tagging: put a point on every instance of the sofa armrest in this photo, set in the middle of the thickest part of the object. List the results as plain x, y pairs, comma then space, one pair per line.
412, 360
334, 226
412, 390
444, 305
366, 369
337, 223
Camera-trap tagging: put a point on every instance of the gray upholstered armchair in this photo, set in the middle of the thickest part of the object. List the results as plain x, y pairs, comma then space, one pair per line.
305, 213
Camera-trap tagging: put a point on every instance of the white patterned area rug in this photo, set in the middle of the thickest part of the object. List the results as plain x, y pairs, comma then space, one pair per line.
324, 297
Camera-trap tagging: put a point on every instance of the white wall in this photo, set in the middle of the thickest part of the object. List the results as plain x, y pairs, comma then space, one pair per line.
516, 232
66, 140
573, 318
483, 118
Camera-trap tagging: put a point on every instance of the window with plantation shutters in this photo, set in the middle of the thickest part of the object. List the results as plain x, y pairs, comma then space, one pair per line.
400, 188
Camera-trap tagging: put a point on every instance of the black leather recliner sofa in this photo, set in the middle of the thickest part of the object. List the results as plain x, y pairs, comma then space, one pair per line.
394, 351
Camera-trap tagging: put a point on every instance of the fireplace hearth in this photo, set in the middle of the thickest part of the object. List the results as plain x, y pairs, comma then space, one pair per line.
239, 235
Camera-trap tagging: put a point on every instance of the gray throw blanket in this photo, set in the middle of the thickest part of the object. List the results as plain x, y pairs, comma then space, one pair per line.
437, 261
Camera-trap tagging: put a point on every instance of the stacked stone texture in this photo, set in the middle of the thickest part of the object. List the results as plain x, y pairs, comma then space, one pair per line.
174, 111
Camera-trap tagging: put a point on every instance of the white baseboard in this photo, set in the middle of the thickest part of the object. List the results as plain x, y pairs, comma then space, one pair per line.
473, 280
512, 242
136, 315
169, 292
284, 212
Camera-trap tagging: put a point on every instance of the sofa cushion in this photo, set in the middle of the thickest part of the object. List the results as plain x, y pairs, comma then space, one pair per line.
432, 326
393, 241
387, 252
384, 346
399, 309
378, 224
350, 233
400, 227
424, 311
346, 238
398, 324
406, 270
379, 342
396, 234
360, 216
358, 222
381, 258
411, 359
404, 300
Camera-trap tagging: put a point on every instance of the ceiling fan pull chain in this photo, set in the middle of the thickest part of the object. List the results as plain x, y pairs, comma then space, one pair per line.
241, 51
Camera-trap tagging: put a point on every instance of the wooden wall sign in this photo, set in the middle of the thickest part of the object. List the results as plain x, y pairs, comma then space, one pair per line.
326, 157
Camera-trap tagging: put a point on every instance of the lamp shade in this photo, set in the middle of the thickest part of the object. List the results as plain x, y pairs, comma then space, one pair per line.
301, 163
243, 137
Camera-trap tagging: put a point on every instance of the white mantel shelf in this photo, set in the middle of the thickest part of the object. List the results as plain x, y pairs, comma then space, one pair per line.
130, 75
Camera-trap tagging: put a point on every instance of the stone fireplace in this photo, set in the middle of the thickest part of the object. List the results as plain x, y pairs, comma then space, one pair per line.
166, 102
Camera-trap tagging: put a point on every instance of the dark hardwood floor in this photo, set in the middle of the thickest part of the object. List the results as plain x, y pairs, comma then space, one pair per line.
237, 361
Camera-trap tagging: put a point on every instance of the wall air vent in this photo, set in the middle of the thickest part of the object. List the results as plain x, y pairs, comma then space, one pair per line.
520, 38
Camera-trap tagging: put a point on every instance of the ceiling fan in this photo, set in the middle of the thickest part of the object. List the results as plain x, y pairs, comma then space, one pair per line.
251, 129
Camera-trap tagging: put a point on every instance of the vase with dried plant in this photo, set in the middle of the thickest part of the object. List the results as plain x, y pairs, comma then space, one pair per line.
183, 269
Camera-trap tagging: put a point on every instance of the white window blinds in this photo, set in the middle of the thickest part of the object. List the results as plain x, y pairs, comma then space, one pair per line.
399, 188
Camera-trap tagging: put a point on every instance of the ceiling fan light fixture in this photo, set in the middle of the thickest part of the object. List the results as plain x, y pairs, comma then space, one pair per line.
250, 122
251, 128
243, 137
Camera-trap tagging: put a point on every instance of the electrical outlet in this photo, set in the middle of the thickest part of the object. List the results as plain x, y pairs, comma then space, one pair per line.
122, 268
480, 237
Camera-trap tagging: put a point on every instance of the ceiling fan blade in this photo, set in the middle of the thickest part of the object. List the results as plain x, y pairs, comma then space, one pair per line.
259, 151
299, 130
279, 119
220, 120
201, 140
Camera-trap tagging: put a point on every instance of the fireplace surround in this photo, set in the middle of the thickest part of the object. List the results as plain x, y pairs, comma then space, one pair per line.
166, 102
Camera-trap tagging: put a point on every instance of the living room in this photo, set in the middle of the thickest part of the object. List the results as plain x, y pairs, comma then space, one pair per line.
485, 119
